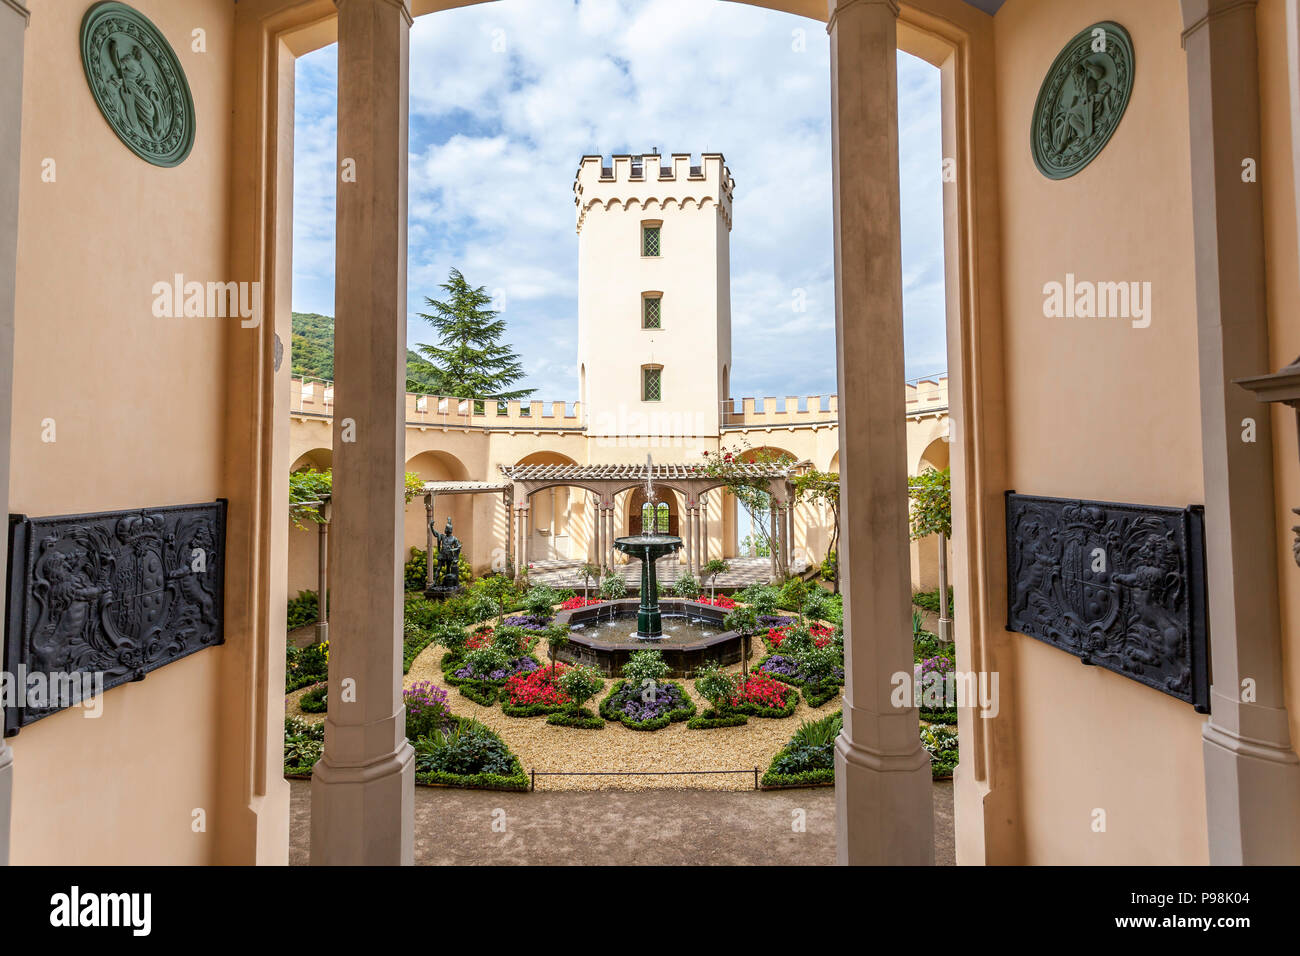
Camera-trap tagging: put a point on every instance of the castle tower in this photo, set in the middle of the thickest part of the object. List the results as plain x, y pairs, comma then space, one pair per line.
654, 297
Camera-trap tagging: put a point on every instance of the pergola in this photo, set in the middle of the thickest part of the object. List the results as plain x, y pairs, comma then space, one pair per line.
432, 489
606, 482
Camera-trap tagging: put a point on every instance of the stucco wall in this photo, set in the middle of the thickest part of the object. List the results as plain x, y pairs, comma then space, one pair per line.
1280, 169
1086, 418
138, 408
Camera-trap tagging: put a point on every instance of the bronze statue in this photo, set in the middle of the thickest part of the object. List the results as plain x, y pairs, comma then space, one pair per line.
447, 574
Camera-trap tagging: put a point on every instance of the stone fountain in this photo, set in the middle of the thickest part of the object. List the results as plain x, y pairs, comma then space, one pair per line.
649, 546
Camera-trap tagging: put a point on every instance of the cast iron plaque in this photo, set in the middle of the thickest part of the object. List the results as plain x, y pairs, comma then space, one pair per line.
117, 594
1082, 99
1117, 585
138, 83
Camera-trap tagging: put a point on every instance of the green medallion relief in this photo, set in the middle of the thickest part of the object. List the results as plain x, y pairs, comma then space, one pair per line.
1082, 100
138, 83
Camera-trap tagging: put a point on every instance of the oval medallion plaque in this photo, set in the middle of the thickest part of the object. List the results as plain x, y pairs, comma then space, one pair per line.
1082, 100
138, 83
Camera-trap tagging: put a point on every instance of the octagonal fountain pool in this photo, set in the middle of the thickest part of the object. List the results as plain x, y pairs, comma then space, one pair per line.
605, 635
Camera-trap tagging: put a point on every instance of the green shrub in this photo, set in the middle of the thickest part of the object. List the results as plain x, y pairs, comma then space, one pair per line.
647, 665
303, 610
539, 602
582, 719
930, 600
310, 666
712, 719
716, 686
612, 588
316, 700
480, 692
686, 586
303, 742
468, 754
580, 683
416, 570
941, 744
809, 757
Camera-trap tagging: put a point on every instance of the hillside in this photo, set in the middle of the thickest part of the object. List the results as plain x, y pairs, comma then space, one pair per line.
313, 350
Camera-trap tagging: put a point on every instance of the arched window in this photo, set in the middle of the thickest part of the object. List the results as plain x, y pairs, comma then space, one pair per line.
654, 518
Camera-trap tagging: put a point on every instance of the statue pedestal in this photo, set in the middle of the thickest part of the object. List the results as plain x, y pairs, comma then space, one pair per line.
442, 591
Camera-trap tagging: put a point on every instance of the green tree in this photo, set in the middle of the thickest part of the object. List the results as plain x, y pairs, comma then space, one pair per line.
729, 465
711, 570
469, 360
823, 488
931, 513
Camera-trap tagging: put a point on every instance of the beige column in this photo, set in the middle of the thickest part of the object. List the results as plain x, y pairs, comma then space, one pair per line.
704, 519
429, 563
322, 575
771, 538
363, 787
1252, 775
610, 533
688, 539
13, 26
882, 775
508, 501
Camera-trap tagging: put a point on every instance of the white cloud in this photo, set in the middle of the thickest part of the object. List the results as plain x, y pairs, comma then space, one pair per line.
505, 98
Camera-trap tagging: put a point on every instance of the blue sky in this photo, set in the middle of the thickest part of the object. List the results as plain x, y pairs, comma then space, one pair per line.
505, 99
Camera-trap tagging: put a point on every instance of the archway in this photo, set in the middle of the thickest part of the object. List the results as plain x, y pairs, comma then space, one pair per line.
556, 516
440, 466
666, 512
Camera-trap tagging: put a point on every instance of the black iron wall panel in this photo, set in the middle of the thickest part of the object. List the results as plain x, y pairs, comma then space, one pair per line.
1120, 586
117, 594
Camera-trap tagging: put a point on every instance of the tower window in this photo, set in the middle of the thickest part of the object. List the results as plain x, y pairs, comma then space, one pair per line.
650, 240
650, 312
651, 383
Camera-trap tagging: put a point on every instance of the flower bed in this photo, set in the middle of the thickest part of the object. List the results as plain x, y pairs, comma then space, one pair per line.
535, 692
721, 601
808, 760
303, 742
941, 744
640, 709
467, 754
528, 622
931, 684
316, 700
760, 696
575, 602
456, 669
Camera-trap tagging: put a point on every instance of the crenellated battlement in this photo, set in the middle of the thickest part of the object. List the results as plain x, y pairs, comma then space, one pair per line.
651, 181
925, 396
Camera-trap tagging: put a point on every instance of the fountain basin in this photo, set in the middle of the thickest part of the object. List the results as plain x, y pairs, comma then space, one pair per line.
649, 548
604, 636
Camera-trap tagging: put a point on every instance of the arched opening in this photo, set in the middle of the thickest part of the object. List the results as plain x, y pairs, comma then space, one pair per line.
666, 511
556, 516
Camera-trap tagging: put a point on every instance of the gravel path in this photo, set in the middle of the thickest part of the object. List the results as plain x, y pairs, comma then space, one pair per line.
542, 746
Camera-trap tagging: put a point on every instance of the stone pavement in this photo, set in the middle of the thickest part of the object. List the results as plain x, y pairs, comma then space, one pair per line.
593, 828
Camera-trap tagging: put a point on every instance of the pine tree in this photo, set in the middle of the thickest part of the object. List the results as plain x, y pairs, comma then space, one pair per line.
469, 361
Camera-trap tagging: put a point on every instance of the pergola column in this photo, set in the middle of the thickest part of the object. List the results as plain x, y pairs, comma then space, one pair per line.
429, 563
363, 788
508, 501
13, 29
322, 575
1252, 775
704, 521
883, 801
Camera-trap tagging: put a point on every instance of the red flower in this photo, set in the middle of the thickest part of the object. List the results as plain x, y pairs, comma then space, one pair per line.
760, 690
537, 687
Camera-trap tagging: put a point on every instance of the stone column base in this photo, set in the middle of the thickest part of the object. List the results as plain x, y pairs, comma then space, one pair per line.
6, 798
364, 816
1255, 786
876, 799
